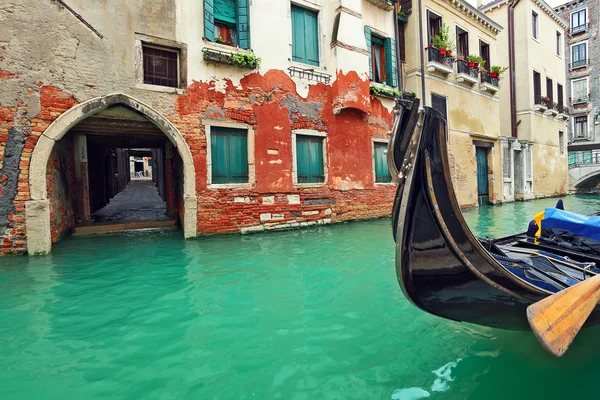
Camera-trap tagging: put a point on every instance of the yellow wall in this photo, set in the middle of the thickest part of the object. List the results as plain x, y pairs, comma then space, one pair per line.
472, 113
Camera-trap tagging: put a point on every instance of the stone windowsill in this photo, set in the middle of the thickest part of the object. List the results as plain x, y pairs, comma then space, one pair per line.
230, 185
158, 88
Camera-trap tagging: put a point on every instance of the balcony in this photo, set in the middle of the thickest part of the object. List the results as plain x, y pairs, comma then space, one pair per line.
466, 74
584, 99
552, 108
437, 62
540, 103
575, 30
578, 64
383, 4
563, 112
488, 84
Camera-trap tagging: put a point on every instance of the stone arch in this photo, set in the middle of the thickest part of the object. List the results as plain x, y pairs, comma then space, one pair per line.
37, 210
592, 177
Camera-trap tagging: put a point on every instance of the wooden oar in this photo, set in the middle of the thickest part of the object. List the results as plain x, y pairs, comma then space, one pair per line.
556, 319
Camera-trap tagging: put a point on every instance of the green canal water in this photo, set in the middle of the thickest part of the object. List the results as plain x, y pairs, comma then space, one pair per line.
312, 314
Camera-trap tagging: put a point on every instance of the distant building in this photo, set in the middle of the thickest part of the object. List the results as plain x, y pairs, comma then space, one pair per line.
582, 59
467, 96
534, 106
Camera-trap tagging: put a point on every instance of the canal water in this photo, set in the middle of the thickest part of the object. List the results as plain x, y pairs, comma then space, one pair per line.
311, 314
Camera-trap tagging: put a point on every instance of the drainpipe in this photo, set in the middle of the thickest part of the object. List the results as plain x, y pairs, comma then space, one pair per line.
423, 96
512, 68
397, 36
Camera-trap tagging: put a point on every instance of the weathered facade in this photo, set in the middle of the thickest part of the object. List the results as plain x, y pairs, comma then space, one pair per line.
534, 111
467, 96
581, 60
302, 135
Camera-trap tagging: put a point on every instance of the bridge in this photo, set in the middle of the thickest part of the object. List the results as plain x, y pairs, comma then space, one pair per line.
584, 174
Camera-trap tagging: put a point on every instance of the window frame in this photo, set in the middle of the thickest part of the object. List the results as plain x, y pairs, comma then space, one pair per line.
318, 11
561, 143
308, 132
465, 32
382, 55
585, 10
572, 47
375, 140
587, 87
587, 127
208, 125
535, 26
558, 43
141, 40
488, 63
167, 49
431, 13
445, 102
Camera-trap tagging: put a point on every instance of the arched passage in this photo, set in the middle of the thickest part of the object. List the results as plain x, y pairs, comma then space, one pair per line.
37, 210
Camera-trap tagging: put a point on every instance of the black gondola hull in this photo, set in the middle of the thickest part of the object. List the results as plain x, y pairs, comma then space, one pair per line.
441, 266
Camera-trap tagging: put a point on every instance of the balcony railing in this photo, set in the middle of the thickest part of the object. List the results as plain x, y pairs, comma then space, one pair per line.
487, 78
579, 29
439, 62
562, 109
542, 103
462, 67
578, 64
433, 54
580, 100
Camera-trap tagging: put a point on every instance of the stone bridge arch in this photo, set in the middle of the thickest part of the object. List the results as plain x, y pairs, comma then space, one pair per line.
584, 177
37, 209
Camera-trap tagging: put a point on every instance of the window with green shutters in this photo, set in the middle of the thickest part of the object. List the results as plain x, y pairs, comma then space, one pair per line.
305, 36
382, 172
229, 21
309, 159
229, 155
382, 57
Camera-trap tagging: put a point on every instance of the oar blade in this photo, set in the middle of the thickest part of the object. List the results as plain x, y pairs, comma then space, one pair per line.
557, 319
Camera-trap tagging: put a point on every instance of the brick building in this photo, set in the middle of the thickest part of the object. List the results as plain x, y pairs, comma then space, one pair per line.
291, 140
581, 59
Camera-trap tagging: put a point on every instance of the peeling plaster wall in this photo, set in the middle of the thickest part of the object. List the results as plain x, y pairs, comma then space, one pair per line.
50, 62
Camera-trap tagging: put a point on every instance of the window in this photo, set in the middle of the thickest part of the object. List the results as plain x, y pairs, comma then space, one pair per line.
578, 20
549, 93
309, 159
229, 155
561, 142
534, 25
484, 52
537, 87
305, 36
382, 172
572, 158
382, 58
227, 22
434, 24
161, 66
558, 43
439, 103
578, 58
462, 43
580, 127
378, 59
586, 157
559, 90
579, 91
506, 162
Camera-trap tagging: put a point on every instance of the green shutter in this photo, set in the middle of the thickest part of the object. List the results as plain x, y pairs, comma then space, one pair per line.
305, 36
219, 156
298, 47
302, 160
311, 29
229, 155
390, 62
309, 159
368, 37
209, 20
243, 24
382, 172
238, 156
224, 11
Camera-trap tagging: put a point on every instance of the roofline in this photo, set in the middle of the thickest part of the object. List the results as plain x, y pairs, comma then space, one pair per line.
541, 3
484, 20
571, 3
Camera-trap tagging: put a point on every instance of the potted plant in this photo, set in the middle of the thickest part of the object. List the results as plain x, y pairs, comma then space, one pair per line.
475, 61
443, 41
401, 16
497, 71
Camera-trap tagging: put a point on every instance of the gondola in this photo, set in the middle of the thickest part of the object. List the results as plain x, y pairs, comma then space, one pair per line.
442, 267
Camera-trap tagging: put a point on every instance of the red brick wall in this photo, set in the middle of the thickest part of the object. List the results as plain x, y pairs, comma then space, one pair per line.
62, 185
272, 107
